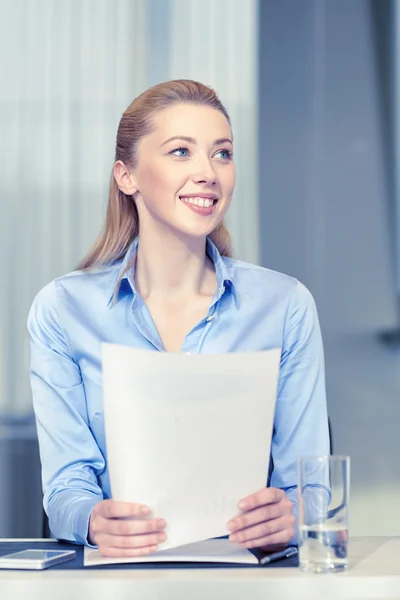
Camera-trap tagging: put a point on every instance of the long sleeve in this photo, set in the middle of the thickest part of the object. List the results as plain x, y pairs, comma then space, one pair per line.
301, 422
71, 459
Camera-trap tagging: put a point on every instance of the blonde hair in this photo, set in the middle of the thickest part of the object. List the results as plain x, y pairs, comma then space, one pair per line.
122, 220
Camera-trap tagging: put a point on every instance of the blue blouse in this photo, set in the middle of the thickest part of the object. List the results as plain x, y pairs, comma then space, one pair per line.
253, 309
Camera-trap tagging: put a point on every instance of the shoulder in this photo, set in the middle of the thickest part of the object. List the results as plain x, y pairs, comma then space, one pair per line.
77, 287
246, 274
282, 297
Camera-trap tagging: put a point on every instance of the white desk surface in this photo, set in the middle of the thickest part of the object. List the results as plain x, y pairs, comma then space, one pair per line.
374, 573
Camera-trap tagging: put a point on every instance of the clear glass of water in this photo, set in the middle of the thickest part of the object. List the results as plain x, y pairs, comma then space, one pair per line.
323, 494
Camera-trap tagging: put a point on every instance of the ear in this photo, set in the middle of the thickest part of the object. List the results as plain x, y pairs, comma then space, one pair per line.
125, 179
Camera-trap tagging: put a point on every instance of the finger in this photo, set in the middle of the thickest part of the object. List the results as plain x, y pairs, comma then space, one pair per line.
129, 527
259, 515
126, 553
110, 509
264, 496
271, 542
130, 542
264, 529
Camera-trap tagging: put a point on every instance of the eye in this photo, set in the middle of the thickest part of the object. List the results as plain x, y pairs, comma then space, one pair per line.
182, 152
226, 154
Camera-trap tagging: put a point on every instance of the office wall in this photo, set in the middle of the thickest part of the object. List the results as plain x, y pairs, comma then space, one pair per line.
326, 218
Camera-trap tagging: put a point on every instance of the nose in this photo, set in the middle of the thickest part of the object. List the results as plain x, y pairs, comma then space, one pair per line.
204, 172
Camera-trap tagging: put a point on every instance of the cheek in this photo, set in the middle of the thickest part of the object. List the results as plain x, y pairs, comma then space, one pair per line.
228, 179
151, 178
155, 180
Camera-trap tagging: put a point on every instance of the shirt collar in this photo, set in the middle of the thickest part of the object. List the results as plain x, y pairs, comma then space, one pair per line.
124, 282
225, 282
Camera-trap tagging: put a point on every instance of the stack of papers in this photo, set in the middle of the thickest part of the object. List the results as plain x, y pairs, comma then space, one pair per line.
189, 436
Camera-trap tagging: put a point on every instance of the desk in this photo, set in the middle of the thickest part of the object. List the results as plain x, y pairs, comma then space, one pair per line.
374, 573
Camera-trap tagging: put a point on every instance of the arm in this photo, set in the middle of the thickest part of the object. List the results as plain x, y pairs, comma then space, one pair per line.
71, 459
301, 421
70, 456
300, 429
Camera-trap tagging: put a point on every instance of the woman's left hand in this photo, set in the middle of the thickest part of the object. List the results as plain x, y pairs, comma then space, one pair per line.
266, 521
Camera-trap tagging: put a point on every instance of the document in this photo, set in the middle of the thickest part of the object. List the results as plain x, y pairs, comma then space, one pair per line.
210, 551
188, 435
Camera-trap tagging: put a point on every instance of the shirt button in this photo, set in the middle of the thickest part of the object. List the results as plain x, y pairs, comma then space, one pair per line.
222, 289
210, 318
188, 353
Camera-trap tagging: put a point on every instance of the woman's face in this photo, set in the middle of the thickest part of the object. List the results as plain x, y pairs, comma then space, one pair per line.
185, 172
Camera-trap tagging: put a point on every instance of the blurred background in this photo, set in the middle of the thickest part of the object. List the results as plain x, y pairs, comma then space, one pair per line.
312, 87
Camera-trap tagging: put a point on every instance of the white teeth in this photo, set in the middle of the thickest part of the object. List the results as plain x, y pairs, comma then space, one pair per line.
206, 202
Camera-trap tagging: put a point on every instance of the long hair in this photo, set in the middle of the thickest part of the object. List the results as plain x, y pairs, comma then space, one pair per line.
122, 219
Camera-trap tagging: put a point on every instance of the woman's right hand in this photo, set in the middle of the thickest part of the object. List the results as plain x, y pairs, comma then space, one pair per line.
116, 533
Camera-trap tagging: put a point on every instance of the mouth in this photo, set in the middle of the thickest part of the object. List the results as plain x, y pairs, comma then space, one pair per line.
202, 205
200, 202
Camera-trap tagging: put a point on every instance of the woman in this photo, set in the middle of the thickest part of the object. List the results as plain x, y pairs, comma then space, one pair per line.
160, 277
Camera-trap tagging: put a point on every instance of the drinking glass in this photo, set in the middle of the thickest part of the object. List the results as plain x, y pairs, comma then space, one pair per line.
323, 495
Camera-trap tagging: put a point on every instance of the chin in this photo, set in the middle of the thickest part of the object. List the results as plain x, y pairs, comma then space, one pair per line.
196, 229
201, 233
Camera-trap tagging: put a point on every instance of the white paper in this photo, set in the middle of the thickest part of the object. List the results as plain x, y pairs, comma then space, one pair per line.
188, 435
212, 551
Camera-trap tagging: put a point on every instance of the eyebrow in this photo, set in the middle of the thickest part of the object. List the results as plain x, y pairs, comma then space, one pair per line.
191, 140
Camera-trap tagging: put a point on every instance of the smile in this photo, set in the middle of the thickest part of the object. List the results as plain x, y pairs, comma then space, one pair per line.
201, 206
197, 201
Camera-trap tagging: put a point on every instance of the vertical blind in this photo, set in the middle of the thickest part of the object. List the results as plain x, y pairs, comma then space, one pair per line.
69, 69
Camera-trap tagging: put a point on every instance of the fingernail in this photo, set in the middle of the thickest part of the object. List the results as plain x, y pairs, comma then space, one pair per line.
231, 525
242, 505
161, 524
233, 537
144, 510
162, 537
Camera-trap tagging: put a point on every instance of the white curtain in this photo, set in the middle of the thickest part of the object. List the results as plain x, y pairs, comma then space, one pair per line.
69, 69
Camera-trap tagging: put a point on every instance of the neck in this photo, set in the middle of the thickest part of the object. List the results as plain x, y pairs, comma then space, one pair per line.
173, 267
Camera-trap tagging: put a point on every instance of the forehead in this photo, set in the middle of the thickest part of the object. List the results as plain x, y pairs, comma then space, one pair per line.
190, 120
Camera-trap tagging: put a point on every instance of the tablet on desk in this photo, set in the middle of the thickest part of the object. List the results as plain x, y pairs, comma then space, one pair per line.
35, 559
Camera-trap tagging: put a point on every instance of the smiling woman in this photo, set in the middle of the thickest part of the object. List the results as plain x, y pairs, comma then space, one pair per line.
169, 123
165, 180
161, 278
